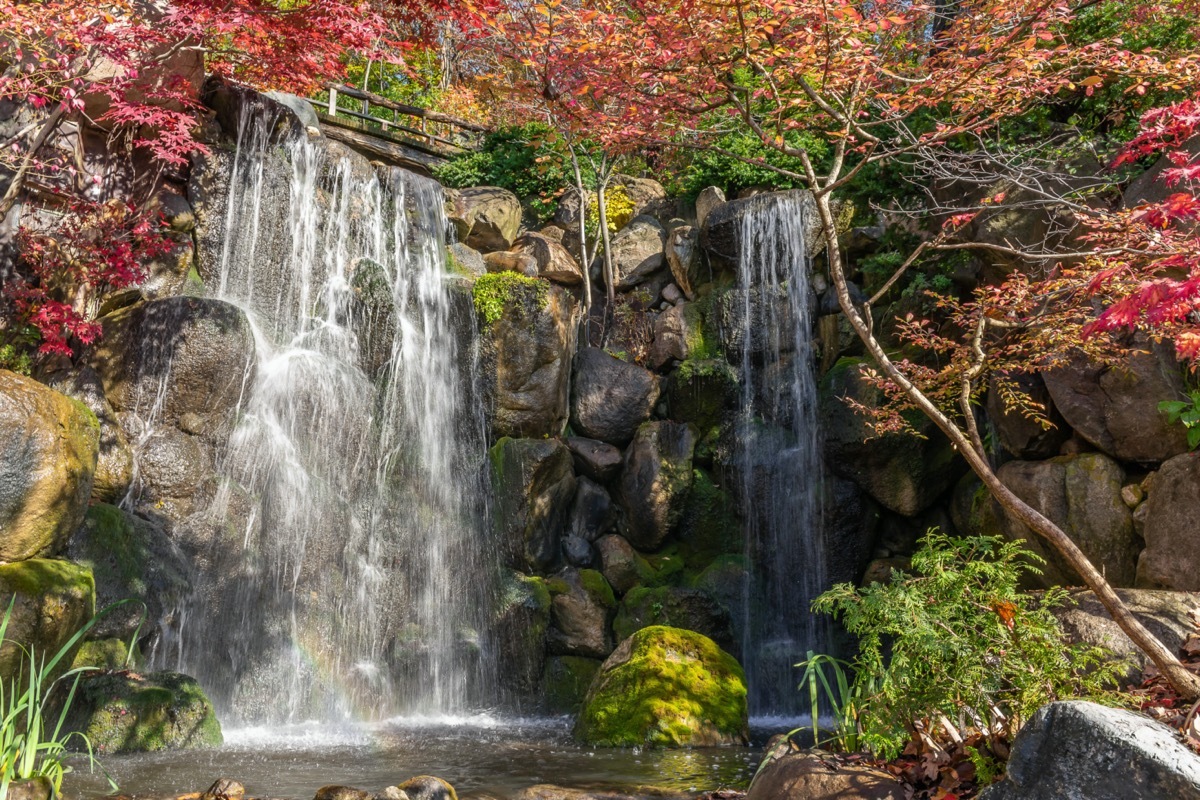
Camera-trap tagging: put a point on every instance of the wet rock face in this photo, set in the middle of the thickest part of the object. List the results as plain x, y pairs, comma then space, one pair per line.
533, 486
1083, 750
49, 444
127, 713
1116, 408
580, 614
1172, 555
690, 609
174, 357
655, 482
610, 397
720, 232
519, 631
486, 218
114, 466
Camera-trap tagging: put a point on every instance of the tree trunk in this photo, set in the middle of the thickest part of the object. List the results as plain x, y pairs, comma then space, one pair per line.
1186, 683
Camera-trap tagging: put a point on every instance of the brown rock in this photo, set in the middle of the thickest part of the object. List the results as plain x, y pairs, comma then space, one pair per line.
1171, 559
593, 458
506, 261
553, 261
815, 776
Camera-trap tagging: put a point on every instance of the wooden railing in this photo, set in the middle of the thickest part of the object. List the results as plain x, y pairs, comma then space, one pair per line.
440, 135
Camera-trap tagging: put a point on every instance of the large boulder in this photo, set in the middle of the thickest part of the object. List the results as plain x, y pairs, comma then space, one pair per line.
665, 687
131, 558
175, 357
1084, 751
1082, 495
486, 218
49, 445
553, 261
655, 482
689, 609
709, 199
128, 713
53, 600
814, 775
581, 609
1116, 407
1172, 555
533, 485
904, 473
1170, 616
637, 251
610, 398
114, 466
526, 356
721, 230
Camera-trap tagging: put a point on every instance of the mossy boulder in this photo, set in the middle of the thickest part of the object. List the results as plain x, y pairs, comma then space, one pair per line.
130, 558
519, 630
709, 526
124, 713
666, 687
49, 444
53, 600
104, 654
566, 681
689, 609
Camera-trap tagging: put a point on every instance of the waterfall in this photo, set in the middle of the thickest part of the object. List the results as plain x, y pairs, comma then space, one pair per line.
348, 579
777, 457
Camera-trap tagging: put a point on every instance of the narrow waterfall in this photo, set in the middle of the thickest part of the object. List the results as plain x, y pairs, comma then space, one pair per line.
778, 457
348, 582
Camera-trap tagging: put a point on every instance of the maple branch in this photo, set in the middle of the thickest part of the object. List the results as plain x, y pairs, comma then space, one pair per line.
921, 248
14, 187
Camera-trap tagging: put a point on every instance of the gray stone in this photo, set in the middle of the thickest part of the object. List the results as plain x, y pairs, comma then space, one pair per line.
1172, 555
580, 612
485, 217
637, 251
336, 792
578, 552
1075, 750
521, 619
467, 259
671, 294
655, 482
554, 262
592, 512
675, 331
595, 459
533, 486
114, 466
683, 256
1018, 434
427, 787
706, 202
610, 397
720, 233
506, 261
622, 566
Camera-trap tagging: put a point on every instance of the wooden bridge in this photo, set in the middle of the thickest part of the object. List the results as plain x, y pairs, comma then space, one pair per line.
411, 137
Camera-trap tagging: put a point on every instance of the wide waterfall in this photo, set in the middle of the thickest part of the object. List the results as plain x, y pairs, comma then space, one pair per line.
777, 458
350, 565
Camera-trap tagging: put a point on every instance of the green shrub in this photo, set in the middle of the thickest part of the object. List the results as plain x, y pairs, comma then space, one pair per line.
960, 640
494, 291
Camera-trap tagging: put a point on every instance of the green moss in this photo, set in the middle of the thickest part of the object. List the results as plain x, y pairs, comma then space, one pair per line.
667, 566
88, 415
666, 687
566, 681
702, 391
104, 654
38, 577
114, 548
709, 527
123, 713
557, 586
596, 585
496, 291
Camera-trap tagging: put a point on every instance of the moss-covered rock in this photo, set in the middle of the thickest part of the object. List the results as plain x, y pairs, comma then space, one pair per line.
49, 444
702, 391
104, 654
53, 600
581, 607
689, 609
665, 687
519, 630
709, 527
566, 681
123, 713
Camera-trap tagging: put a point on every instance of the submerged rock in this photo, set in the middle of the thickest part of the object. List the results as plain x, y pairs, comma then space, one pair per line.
124, 713
666, 687
814, 776
1084, 751
48, 449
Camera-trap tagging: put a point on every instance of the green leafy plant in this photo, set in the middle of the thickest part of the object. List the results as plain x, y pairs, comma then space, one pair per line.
840, 692
494, 291
958, 643
1186, 413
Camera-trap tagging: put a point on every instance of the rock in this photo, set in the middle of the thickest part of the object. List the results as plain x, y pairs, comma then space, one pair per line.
578, 552
655, 482
486, 218
31, 789
225, 789
592, 512
526, 360
104, 654
1018, 434
683, 256
391, 793
172, 465
665, 687
427, 787
814, 775
506, 261
581, 608
623, 567
1116, 409
54, 599
689, 609
677, 334
1084, 751
1082, 495
533, 486
1168, 615
706, 202
595, 459
637, 251
49, 445
703, 392
298, 106
521, 620
906, 474
335, 792
646, 194
553, 261
127, 713
466, 260
881, 570
1172, 555
547, 791
709, 526
769, 311
198, 351
610, 397
114, 466
566, 681
167, 273
720, 233
131, 558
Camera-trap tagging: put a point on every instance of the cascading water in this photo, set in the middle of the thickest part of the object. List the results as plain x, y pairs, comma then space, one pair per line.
346, 580
777, 457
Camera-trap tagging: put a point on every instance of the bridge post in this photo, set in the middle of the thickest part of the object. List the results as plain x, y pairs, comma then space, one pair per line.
333, 101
